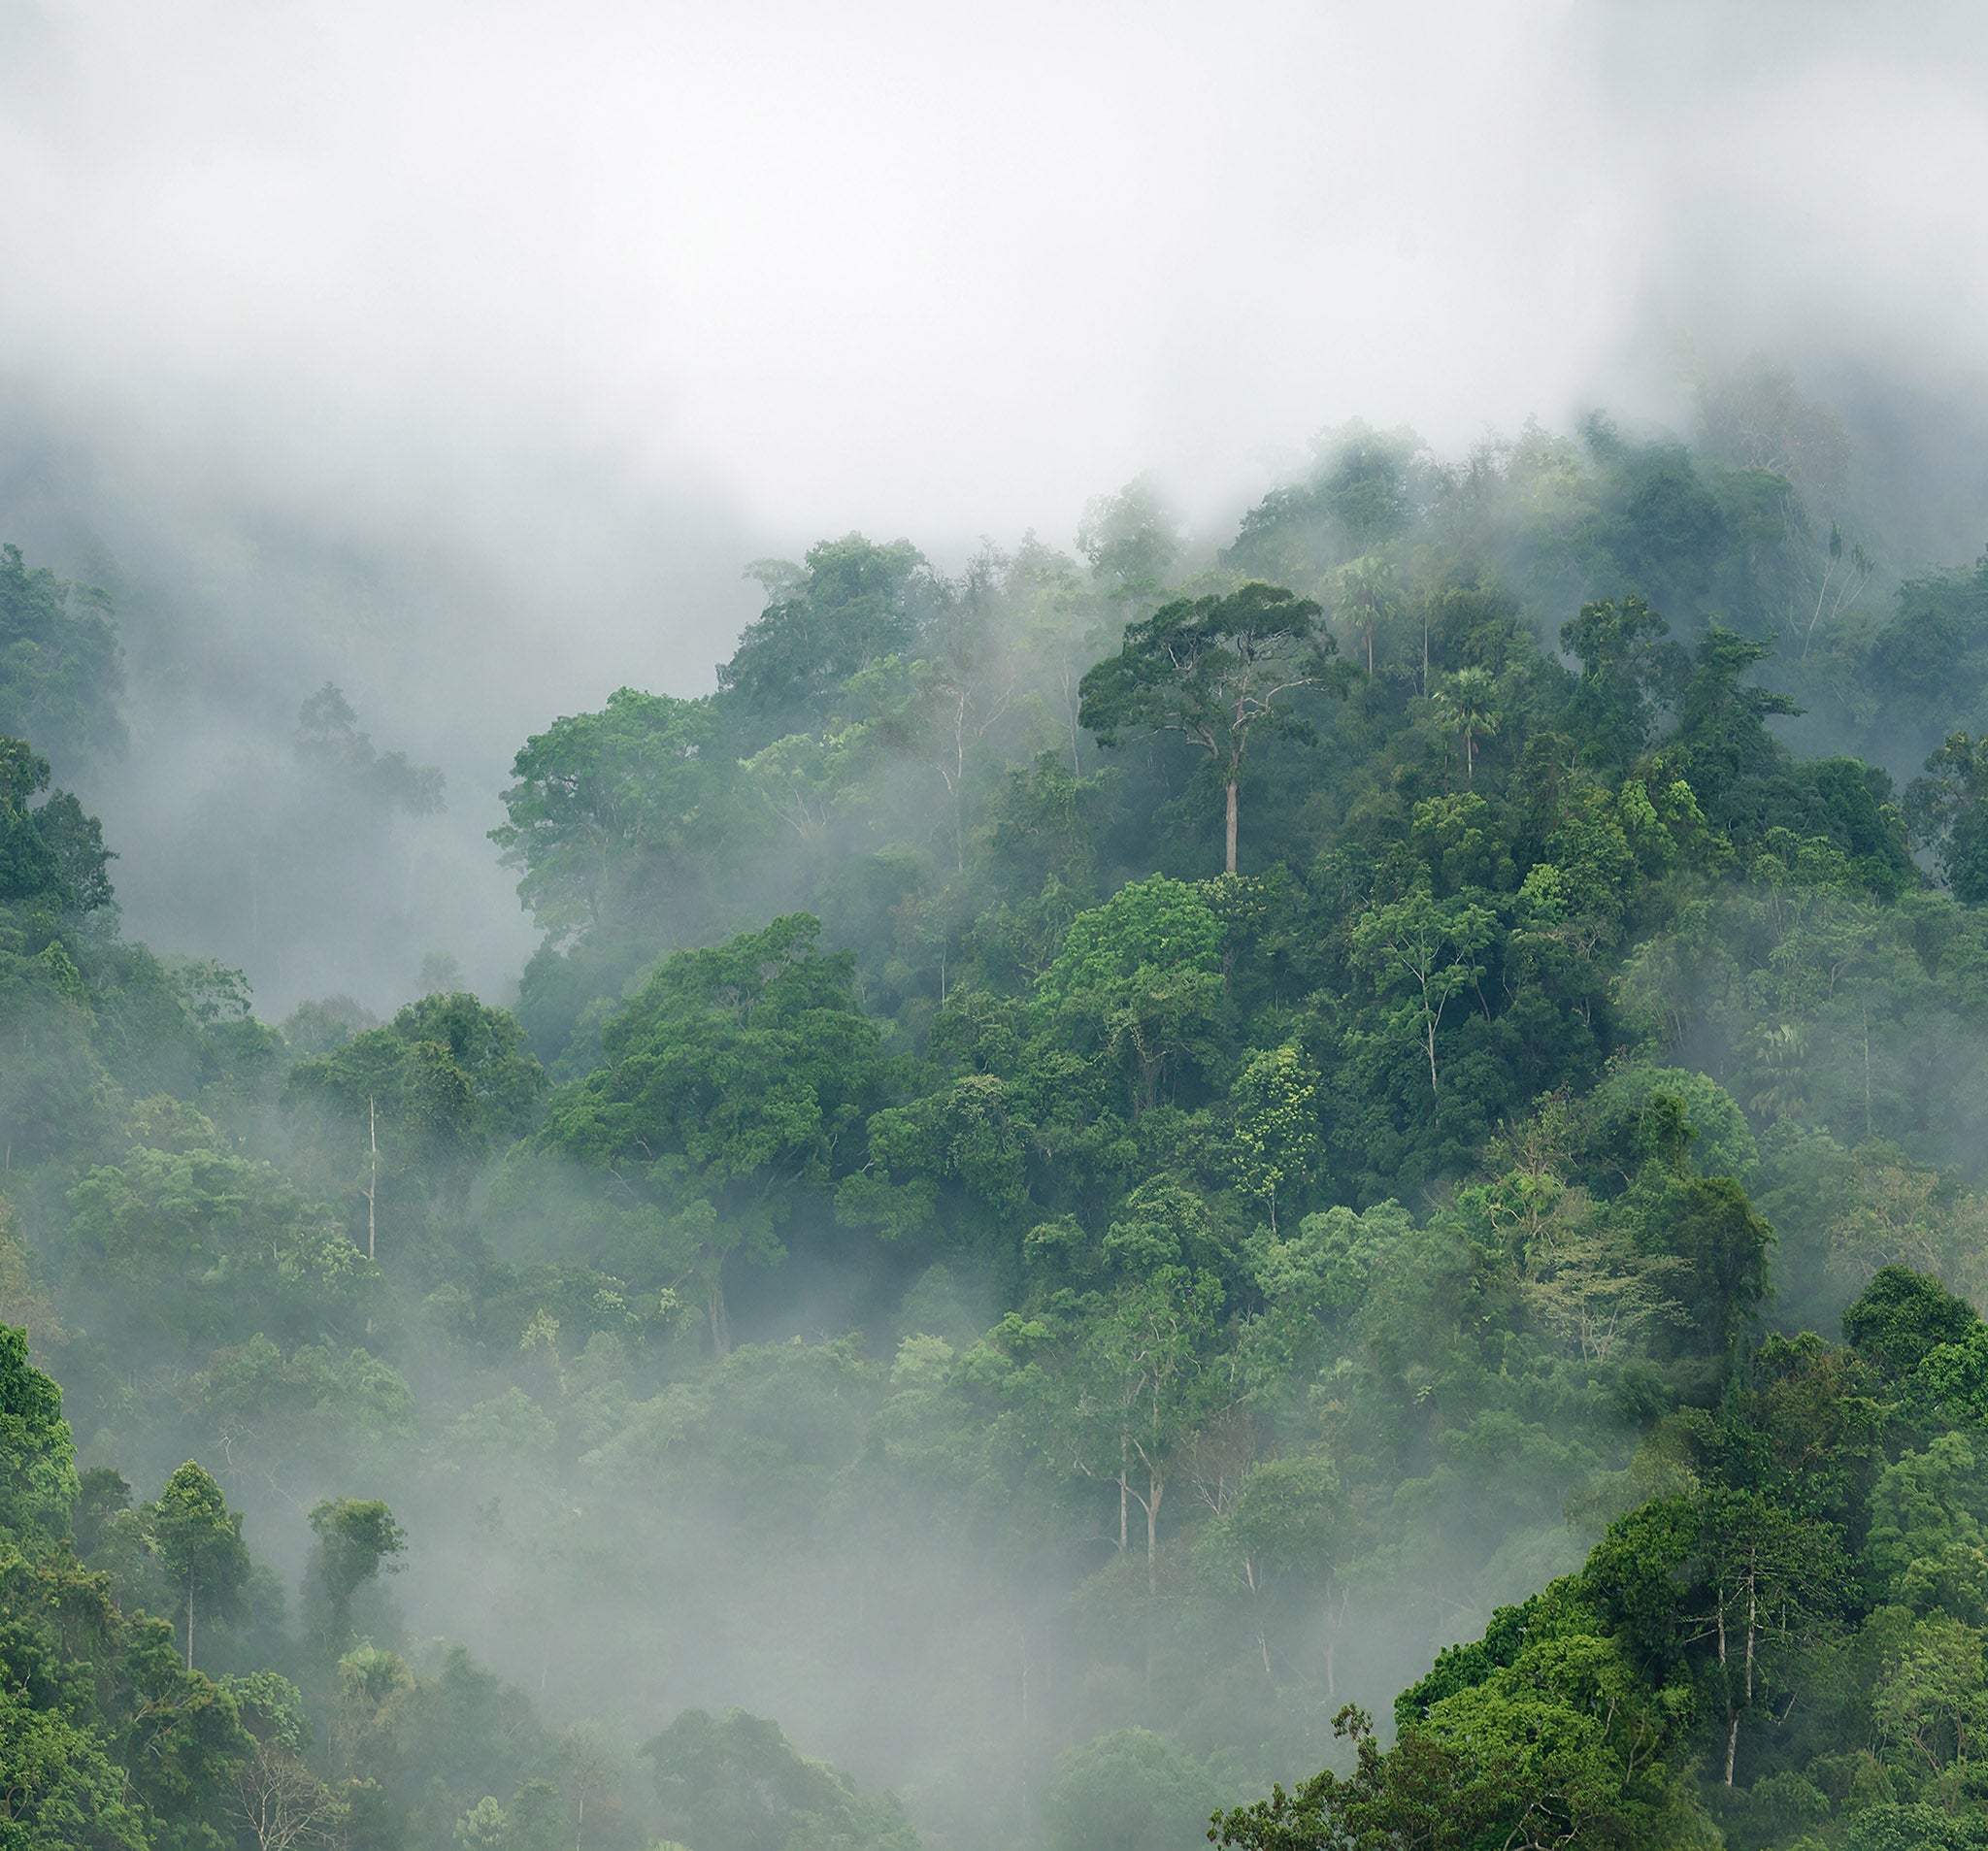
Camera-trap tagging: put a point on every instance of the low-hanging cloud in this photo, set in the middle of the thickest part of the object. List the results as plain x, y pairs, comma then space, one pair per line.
925, 267
536, 324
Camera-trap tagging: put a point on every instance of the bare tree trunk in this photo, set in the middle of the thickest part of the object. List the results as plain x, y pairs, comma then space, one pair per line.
1231, 825
1866, 1069
1731, 1708
373, 1174
1751, 1615
1123, 1495
190, 1622
720, 1324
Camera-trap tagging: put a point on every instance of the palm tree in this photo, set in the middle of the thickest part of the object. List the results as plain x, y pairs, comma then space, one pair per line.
1470, 700
1367, 597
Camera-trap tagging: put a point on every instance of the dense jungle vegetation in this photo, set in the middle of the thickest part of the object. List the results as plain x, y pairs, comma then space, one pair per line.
1117, 1178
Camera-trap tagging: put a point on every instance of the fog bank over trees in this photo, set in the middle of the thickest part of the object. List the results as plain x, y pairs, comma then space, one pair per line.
991, 934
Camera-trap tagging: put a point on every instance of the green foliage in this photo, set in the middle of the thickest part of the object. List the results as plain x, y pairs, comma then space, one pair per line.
60, 676
735, 1783
600, 800
38, 1483
200, 1241
851, 603
1127, 1791
199, 1544
358, 1540
1007, 1291
1210, 670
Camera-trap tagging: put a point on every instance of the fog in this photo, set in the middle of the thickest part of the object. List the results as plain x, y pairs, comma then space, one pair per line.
537, 327
463, 355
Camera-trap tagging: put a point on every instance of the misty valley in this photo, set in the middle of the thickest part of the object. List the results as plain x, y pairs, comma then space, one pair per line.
1319, 1186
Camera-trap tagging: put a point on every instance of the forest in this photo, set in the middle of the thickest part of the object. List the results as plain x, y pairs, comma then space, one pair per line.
1322, 1187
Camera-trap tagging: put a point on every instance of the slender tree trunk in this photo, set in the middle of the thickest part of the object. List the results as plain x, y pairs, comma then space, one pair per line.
1123, 1497
1429, 1022
373, 1174
1751, 1616
190, 1622
1866, 1069
1156, 1489
1731, 1708
720, 1324
1231, 825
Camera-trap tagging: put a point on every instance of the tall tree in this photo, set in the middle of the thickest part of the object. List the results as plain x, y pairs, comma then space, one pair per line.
1425, 950
199, 1542
738, 1075
600, 800
357, 1542
1469, 701
1211, 670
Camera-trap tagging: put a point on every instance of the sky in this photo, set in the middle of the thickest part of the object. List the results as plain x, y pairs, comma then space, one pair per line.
543, 321
935, 268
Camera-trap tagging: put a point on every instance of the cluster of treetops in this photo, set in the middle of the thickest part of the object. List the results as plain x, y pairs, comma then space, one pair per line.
1337, 1077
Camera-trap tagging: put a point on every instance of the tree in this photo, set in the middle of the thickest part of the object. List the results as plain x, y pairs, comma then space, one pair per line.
358, 1540
1425, 950
59, 671
1129, 1790
1142, 1383
1861, 569
602, 802
58, 1789
1629, 673
1281, 1523
427, 1098
38, 1484
849, 604
1557, 1750
1139, 983
735, 1783
1930, 1698
1901, 1317
1211, 670
1369, 600
29, 868
199, 1542
1948, 810
1724, 1585
1131, 541
1469, 701
739, 1073
198, 1241
281, 1804
966, 683
1276, 1126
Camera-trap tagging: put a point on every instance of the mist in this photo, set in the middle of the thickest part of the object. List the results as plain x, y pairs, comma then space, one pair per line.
411, 378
